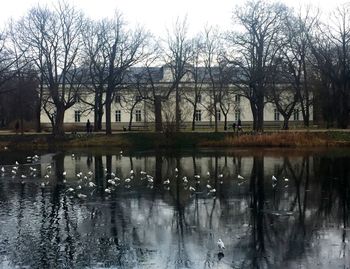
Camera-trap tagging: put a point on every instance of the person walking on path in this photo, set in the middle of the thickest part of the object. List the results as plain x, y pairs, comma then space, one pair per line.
88, 126
234, 127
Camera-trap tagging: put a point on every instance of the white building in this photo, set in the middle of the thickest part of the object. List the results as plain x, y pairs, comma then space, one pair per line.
234, 104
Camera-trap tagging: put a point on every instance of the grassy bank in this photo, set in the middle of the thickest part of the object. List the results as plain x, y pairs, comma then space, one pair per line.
177, 140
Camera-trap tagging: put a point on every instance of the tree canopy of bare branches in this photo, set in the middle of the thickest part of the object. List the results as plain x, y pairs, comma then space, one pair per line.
112, 49
255, 49
52, 40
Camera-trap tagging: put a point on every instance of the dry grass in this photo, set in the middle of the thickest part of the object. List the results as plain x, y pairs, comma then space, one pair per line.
180, 140
276, 140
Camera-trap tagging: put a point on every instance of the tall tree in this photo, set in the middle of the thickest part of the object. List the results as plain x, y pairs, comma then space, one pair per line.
178, 52
198, 75
331, 48
10, 60
211, 52
296, 52
53, 41
255, 50
112, 49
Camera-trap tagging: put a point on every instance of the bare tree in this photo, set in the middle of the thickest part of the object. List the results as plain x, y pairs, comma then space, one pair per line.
296, 53
282, 94
10, 64
19, 99
211, 51
178, 53
25, 60
112, 50
132, 99
53, 39
11, 61
254, 49
218, 75
146, 81
331, 48
198, 74
93, 38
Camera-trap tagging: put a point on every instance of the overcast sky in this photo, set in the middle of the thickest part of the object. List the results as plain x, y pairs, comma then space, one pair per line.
156, 15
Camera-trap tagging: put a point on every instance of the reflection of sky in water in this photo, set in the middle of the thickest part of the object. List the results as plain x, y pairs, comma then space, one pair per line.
297, 224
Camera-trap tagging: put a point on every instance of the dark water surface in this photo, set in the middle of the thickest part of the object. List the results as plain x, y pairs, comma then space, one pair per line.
87, 209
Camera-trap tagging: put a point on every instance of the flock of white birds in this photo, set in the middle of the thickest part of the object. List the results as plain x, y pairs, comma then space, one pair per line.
84, 182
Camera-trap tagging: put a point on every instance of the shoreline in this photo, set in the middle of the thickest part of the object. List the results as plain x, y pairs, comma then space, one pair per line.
148, 140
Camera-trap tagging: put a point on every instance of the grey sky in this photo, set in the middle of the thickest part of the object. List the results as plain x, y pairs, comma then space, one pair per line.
156, 15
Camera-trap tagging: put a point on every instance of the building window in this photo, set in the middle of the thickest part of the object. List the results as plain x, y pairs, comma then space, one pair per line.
276, 115
138, 98
77, 116
138, 115
118, 116
199, 98
237, 114
218, 115
117, 99
198, 115
296, 114
237, 98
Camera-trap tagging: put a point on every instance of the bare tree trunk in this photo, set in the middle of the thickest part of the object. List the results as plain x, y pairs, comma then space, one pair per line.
177, 110
131, 116
305, 106
37, 118
194, 117
58, 129
255, 115
130, 121
38, 108
343, 118
285, 123
158, 113
215, 117
225, 122
98, 112
260, 113
108, 113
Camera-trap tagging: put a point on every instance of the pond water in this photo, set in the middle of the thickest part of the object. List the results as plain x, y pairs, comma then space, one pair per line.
161, 209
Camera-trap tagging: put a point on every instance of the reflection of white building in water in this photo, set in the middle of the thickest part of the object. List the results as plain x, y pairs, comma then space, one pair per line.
135, 103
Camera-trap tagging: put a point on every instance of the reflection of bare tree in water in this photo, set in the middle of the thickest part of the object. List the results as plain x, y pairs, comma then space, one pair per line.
157, 183
256, 256
114, 236
89, 161
99, 172
298, 237
60, 206
158, 171
237, 164
53, 234
108, 166
181, 258
257, 216
20, 215
59, 167
297, 175
196, 200
335, 176
215, 185
114, 229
